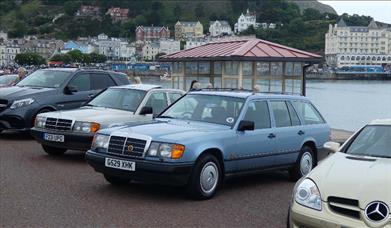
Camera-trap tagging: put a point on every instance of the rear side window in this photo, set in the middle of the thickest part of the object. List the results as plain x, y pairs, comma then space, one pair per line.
121, 78
81, 82
101, 81
294, 118
281, 113
174, 96
307, 112
258, 112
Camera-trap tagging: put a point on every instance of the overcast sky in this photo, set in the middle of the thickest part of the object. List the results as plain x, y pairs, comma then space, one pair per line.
380, 10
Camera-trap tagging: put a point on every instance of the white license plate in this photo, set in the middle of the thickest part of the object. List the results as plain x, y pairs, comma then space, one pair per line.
120, 164
53, 137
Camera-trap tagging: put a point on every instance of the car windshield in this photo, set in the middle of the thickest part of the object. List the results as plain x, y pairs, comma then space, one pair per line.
119, 98
373, 140
206, 108
7, 79
45, 78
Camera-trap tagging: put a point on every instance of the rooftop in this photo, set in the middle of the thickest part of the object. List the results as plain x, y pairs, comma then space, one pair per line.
145, 87
243, 93
245, 49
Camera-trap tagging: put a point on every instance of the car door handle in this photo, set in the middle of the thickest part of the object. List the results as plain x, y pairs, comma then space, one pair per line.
271, 135
301, 132
91, 95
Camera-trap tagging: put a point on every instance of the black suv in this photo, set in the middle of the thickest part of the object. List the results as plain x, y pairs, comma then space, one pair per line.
50, 90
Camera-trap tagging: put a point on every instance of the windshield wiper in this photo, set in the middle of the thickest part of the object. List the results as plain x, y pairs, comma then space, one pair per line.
168, 117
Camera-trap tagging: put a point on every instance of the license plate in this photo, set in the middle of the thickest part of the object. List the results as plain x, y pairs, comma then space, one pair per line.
53, 137
120, 164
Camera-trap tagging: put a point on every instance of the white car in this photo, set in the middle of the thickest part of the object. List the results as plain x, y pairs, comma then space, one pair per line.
74, 129
351, 188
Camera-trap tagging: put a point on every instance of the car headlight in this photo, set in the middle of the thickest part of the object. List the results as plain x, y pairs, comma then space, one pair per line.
22, 103
86, 127
166, 150
100, 142
40, 122
308, 195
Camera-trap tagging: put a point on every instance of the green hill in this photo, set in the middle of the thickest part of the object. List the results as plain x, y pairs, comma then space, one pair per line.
301, 25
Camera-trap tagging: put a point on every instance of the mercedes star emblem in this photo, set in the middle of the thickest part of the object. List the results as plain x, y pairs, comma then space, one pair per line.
377, 211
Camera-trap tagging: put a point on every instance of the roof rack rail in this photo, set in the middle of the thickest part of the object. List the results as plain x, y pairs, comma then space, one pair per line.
244, 90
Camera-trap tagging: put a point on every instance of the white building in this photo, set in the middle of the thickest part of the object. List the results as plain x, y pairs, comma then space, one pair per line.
150, 50
127, 51
103, 36
357, 45
8, 53
190, 43
219, 28
3, 36
169, 46
116, 49
245, 21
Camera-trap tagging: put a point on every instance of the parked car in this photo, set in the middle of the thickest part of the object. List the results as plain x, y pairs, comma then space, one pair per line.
50, 90
8, 80
75, 129
351, 188
208, 135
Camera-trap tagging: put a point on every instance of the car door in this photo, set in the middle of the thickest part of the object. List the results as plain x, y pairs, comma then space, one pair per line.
314, 126
81, 83
288, 133
253, 148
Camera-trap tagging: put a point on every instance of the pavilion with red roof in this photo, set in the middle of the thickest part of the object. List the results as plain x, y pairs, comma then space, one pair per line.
242, 63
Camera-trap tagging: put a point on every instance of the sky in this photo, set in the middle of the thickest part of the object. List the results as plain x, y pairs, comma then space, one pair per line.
379, 10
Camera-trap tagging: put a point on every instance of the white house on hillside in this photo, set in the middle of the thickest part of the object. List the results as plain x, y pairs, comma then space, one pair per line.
245, 21
218, 28
169, 46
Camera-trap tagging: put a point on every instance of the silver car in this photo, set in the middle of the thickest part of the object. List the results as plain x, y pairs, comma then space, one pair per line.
74, 129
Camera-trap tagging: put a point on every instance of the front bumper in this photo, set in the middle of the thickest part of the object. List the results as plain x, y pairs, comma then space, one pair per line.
300, 216
146, 171
72, 141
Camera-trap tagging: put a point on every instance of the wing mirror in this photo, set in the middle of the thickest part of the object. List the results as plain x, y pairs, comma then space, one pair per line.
70, 89
333, 147
245, 125
146, 110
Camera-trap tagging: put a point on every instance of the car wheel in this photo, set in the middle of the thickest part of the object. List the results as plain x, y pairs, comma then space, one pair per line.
205, 178
54, 151
304, 164
116, 180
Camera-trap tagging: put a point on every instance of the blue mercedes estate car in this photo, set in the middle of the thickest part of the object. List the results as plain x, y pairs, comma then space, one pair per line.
208, 135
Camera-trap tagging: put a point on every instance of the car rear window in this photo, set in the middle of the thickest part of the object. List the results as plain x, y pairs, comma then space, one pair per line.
121, 78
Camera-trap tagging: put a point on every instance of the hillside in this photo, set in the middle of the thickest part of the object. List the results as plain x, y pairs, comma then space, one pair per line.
301, 24
313, 4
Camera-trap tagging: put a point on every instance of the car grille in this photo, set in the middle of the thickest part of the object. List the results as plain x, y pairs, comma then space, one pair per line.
58, 124
3, 104
344, 206
126, 146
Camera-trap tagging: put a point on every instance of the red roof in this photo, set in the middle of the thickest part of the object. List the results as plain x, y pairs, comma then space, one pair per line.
249, 49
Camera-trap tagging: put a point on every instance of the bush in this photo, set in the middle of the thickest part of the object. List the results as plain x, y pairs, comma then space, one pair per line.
29, 59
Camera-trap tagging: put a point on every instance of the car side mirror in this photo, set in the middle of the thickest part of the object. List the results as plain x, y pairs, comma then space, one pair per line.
146, 110
333, 147
70, 89
245, 125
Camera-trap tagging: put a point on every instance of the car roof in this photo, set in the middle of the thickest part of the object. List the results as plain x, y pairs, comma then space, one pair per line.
144, 87
380, 122
246, 94
70, 69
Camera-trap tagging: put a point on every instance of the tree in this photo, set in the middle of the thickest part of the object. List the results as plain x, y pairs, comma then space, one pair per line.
199, 10
310, 14
97, 58
29, 59
76, 56
61, 58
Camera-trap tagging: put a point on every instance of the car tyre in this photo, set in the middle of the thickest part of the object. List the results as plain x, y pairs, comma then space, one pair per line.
205, 178
116, 180
304, 164
54, 151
